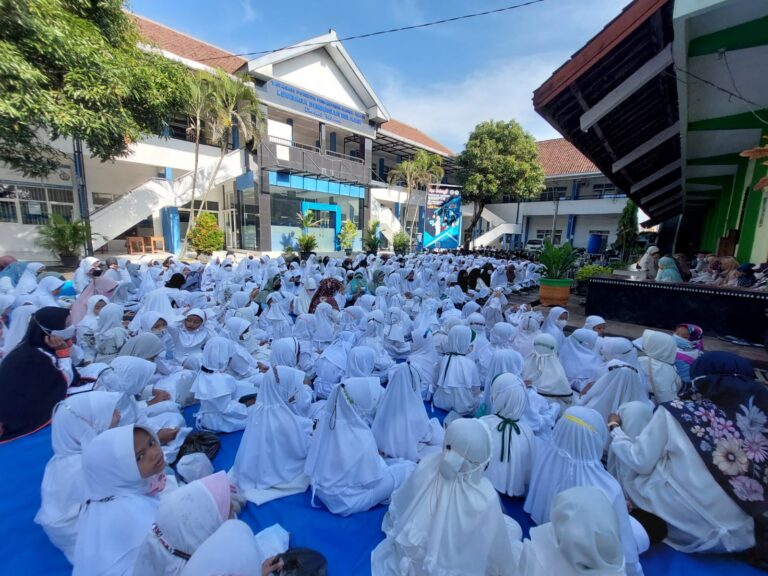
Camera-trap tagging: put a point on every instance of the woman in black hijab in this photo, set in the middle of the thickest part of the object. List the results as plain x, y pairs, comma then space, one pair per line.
35, 375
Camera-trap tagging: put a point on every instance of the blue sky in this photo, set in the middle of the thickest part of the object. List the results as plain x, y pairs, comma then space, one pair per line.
443, 79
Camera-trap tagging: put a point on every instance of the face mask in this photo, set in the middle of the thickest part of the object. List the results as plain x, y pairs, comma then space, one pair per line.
159, 333
65, 334
562, 323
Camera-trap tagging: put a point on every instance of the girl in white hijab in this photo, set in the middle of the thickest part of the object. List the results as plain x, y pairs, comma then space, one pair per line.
396, 327
217, 391
581, 363
458, 383
47, 293
635, 416
545, 374
303, 331
445, 509
381, 299
76, 421
243, 366
86, 328
110, 334
347, 473
332, 364
557, 320
401, 427
572, 458
493, 310
300, 304
325, 326
279, 324
374, 339
190, 338
582, 538
527, 331
424, 360
82, 278
123, 471
427, 317
17, 328
360, 364
233, 549
185, 518
620, 384
139, 402
513, 440
273, 450
504, 360
658, 365
28, 281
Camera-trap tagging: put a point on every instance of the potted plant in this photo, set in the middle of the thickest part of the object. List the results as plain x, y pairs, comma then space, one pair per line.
307, 244
401, 243
555, 286
371, 241
64, 238
206, 236
347, 236
584, 273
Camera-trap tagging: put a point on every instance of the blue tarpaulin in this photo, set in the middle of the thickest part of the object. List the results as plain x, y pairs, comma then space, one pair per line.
346, 542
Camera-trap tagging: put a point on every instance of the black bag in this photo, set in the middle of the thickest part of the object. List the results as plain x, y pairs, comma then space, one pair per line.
206, 442
302, 562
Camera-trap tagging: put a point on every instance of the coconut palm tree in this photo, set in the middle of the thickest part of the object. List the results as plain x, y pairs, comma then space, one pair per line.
233, 103
407, 172
199, 86
429, 171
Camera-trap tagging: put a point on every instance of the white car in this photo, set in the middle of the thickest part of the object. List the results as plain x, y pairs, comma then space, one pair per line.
534, 245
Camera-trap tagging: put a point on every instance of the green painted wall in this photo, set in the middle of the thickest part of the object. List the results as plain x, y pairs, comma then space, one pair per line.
751, 213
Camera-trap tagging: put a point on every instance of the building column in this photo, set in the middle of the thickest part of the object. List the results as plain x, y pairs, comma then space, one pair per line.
365, 152
265, 212
322, 138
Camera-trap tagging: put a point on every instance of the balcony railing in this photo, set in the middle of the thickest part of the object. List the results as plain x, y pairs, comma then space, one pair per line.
280, 154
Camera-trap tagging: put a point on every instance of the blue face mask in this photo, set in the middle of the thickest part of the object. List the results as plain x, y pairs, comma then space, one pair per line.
682, 343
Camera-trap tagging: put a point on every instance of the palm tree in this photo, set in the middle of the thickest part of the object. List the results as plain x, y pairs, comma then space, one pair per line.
429, 170
232, 103
199, 86
407, 172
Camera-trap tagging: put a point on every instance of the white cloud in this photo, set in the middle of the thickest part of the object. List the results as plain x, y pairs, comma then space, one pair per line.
248, 13
448, 111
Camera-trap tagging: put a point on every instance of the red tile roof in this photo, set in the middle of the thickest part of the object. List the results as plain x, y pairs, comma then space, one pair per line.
560, 157
414, 135
187, 47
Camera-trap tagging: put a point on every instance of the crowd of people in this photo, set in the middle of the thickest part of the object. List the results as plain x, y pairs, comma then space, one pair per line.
330, 369
721, 271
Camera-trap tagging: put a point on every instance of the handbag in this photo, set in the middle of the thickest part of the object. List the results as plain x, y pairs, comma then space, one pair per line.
302, 562
206, 442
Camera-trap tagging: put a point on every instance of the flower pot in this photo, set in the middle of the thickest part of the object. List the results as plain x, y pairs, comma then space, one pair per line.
348, 251
554, 291
305, 255
68, 261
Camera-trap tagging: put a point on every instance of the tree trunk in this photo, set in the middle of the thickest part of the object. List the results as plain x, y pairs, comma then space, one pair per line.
416, 213
190, 225
475, 219
210, 181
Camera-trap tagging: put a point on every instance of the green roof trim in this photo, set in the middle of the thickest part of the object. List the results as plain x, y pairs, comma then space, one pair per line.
748, 35
743, 121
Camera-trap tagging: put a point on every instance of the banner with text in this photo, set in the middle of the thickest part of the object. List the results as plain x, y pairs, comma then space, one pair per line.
442, 220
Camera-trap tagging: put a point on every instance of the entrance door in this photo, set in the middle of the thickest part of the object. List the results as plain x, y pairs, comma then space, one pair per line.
230, 228
329, 216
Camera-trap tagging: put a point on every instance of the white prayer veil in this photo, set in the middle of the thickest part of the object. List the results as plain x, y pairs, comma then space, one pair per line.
578, 356
620, 384
231, 550
544, 370
401, 420
185, 518
445, 509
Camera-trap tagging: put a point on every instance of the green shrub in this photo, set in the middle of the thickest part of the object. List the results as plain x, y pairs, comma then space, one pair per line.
401, 243
307, 243
586, 272
206, 236
558, 260
347, 234
62, 237
371, 241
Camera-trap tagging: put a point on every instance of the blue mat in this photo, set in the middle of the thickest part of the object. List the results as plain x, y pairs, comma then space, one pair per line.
345, 542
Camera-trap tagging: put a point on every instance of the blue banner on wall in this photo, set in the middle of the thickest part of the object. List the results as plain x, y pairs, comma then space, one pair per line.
442, 220
171, 229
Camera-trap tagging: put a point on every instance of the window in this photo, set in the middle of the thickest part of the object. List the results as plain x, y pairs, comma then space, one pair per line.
603, 190
547, 234
32, 204
554, 193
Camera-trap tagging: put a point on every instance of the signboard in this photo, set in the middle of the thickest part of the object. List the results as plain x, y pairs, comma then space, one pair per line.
442, 220
308, 103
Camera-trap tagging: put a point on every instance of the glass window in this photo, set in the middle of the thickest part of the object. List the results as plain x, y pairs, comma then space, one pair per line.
31, 193
8, 212
547, 235
61, 195
65, 210
34, 212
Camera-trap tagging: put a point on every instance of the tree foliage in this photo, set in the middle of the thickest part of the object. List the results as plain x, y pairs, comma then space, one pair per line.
626, 234
423, 170
73, 68
62, 237
499, 159
206, 236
